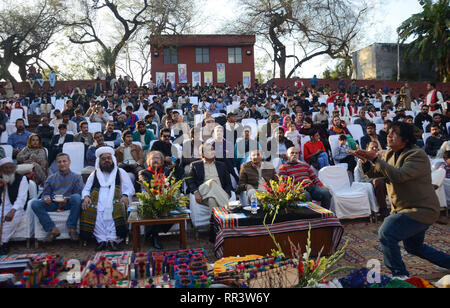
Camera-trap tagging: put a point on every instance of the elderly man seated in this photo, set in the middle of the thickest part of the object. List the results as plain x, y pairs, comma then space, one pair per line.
254, 174
302, 172
14, 192
209, 179
107, 194
63, 183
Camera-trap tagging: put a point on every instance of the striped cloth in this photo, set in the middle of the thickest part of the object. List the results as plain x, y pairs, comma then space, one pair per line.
300, 171
226, 226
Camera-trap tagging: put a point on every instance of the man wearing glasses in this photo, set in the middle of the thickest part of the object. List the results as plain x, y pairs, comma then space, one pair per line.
164, 146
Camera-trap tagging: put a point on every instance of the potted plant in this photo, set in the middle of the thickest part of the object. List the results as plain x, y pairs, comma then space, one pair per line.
161, 196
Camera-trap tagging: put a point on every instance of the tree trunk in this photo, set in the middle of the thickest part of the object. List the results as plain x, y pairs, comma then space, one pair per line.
22, 64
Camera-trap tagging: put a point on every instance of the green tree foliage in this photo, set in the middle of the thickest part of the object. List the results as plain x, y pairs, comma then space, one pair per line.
430, 31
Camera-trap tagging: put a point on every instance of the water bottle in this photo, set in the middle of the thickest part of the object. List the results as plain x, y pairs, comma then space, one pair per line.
254, 204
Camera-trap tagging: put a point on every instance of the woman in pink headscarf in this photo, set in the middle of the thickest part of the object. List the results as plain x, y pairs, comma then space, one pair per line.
287, 120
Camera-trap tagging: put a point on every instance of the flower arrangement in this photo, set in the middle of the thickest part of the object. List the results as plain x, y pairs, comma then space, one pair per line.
282, 194
313, 272
161, 196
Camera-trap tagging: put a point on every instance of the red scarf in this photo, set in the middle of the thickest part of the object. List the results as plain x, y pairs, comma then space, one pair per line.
153, 171
432, 103
342, 110
372, 115
353, 110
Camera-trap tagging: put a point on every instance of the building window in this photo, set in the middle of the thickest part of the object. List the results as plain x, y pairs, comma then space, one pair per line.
201, 55
235, 55
170, 55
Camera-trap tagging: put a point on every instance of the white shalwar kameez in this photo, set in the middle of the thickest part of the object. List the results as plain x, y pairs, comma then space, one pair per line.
105, 229
10, 227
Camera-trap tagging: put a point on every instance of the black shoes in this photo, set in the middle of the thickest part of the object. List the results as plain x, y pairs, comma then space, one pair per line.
101, 246
112, 246
4, 250
156, 243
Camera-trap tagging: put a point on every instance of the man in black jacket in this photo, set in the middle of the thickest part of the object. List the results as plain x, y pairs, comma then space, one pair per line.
435, 141
58, 141
209, 179
422, 117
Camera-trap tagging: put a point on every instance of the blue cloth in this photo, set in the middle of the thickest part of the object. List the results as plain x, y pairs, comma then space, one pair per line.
400, 227
78, 121
323, 160
19, 141
41, 209
63, 184
131, 122
319, 194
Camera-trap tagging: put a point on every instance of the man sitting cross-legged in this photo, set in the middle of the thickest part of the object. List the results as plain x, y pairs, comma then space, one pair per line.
209, 179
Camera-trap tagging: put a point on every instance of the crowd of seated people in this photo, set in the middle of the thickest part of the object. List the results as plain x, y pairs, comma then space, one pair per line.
225, 139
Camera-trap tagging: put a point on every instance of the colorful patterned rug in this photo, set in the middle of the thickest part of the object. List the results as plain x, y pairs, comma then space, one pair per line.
364, 246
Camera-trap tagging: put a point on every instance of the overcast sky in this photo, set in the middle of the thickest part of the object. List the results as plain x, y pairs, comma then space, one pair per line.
386, 16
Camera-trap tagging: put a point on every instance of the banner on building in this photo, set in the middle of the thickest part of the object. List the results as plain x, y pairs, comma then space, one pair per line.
171, 78
208, 78
160, 79
196, 79
220, 72
182, 73
246, 79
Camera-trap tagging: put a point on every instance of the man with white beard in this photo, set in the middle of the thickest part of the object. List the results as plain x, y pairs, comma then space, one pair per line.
15, 196
105, 200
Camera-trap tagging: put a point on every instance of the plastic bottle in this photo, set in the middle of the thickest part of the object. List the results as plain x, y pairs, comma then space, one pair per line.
254, 204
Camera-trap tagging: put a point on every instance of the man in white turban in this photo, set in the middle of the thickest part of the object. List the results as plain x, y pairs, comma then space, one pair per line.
107, 194
14, 190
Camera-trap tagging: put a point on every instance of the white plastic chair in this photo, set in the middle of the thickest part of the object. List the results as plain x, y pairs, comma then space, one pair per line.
379, 127
75, 150
60, 220
16, 114
349, 201
4, 137
251, 122
425, 137
356, 131
138, 143
438, 179
8, 150
201, 214
94, 127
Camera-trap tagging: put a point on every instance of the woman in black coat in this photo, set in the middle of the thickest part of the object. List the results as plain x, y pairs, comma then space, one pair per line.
155, 160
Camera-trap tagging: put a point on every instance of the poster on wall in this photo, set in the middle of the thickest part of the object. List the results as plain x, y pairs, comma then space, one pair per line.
208, 78
196, 79
182, 73
220, 72
246, 79
160, 79
171, 78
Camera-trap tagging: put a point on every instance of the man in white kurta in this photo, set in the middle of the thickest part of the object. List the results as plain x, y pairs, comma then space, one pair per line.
16, 186
106, 171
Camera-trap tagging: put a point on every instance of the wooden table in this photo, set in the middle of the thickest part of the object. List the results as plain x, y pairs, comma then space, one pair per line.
243, 235
136, 224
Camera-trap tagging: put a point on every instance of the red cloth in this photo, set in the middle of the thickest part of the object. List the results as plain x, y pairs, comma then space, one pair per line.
331, 98
312, 148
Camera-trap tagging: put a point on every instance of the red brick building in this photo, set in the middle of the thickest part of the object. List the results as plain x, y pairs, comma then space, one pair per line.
189, 59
